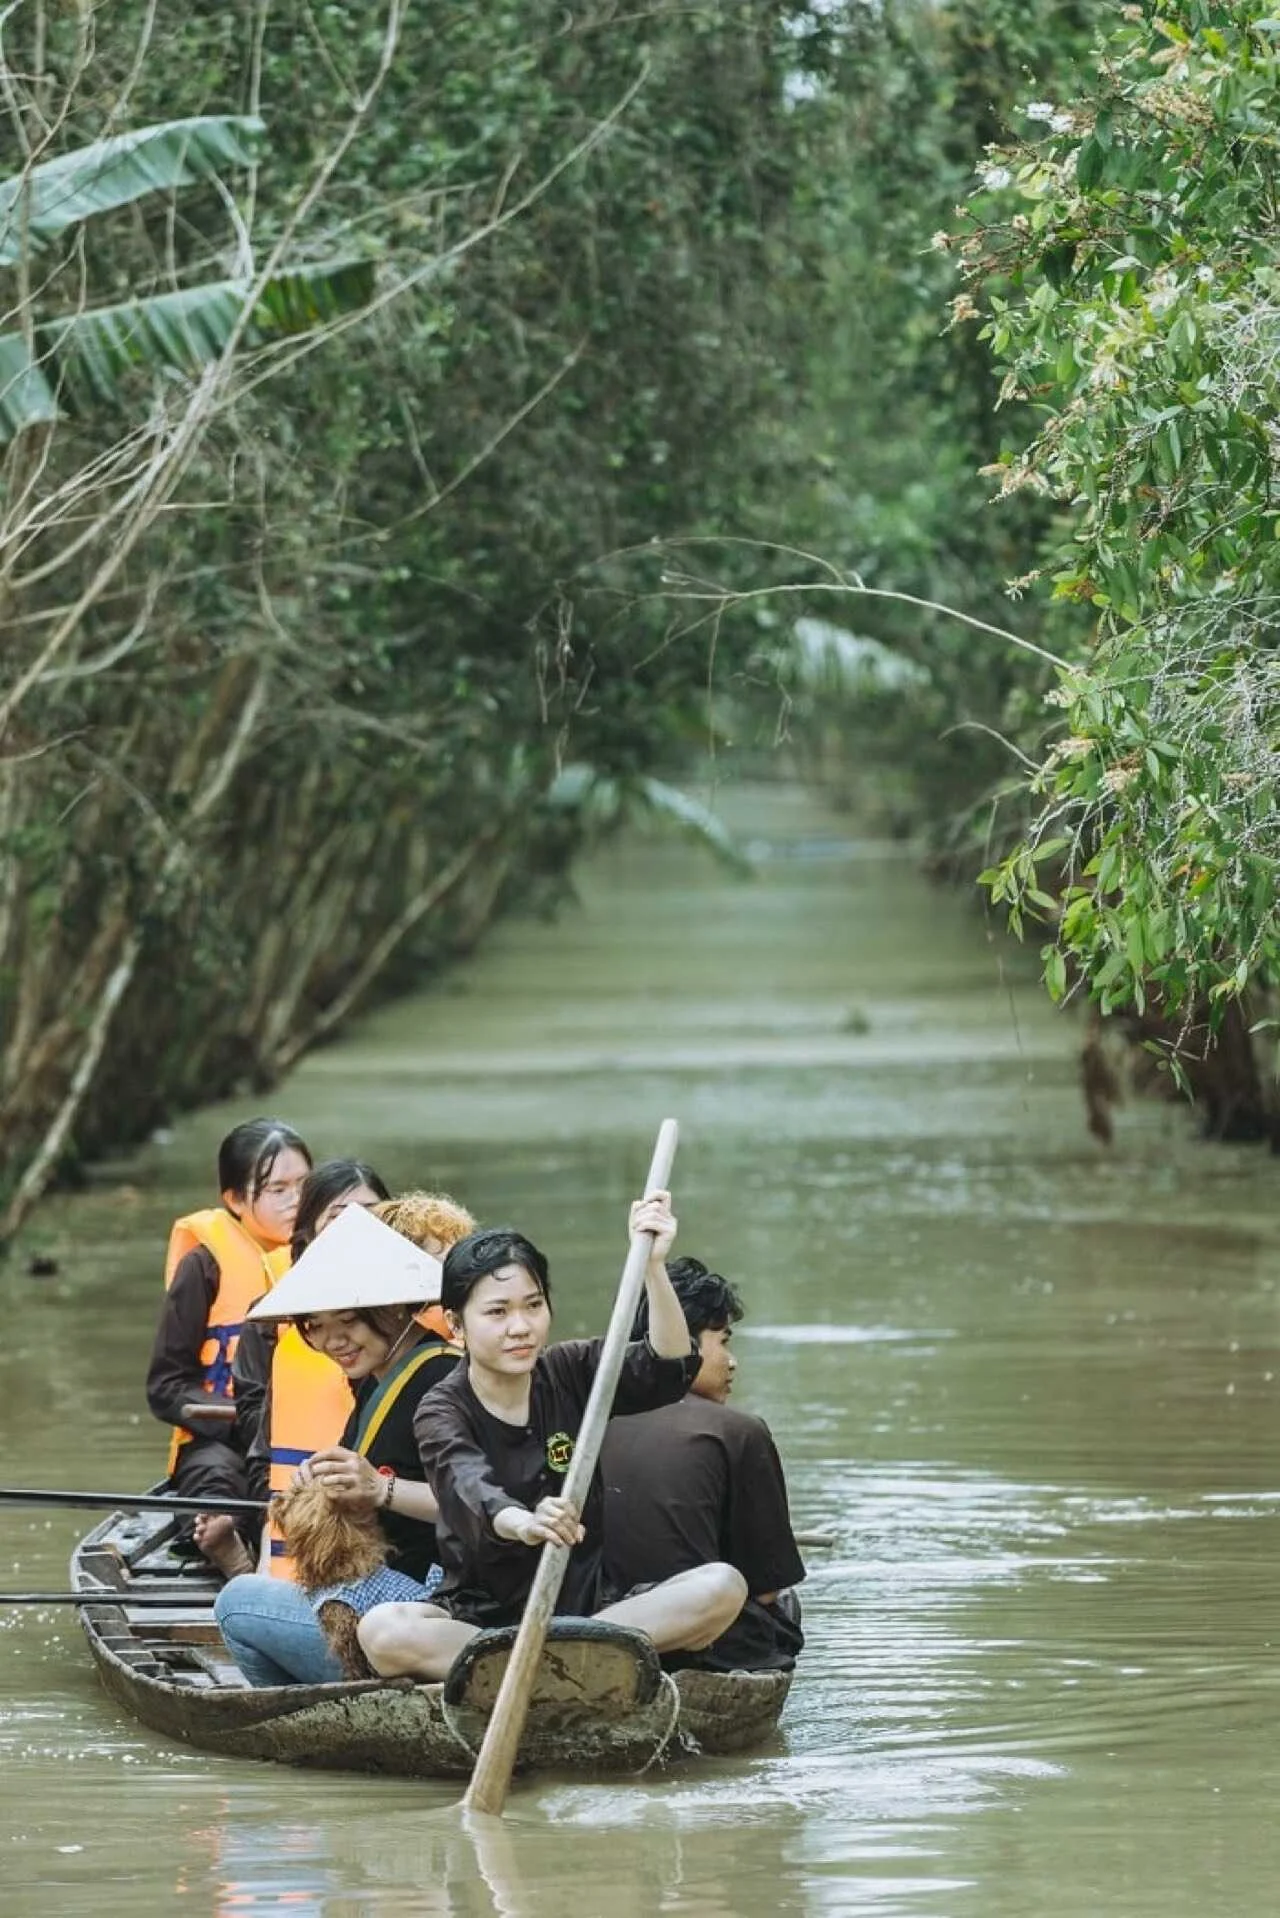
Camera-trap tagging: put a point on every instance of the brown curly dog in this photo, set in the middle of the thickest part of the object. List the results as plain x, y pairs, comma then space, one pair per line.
330, 1546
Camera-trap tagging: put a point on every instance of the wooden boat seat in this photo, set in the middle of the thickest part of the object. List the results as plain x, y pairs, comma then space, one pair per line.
181, 1626
190, 1664
105, 1564
148, 1537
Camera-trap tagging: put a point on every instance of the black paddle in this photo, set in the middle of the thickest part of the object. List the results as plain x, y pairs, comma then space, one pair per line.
176, 1599
127, 1502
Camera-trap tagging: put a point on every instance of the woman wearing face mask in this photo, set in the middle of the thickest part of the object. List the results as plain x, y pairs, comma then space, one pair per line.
389, 1358
219, 1261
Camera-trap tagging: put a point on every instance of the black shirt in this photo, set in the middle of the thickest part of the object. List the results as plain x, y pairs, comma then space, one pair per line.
480, 1464
696, 1482
251, 1384
412, 1541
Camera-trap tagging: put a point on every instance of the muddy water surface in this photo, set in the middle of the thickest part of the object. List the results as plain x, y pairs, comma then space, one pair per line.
1031, 1385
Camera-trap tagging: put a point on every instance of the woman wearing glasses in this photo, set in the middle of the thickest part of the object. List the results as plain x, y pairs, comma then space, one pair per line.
220, 1260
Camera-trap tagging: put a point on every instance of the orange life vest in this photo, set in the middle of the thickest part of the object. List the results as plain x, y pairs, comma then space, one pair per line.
434, 1319
309, 1407
244, 1270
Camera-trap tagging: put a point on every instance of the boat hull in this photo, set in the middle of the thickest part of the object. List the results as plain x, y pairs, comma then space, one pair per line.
601, 1705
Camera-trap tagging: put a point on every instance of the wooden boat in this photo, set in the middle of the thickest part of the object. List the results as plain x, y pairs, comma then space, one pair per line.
602, 1702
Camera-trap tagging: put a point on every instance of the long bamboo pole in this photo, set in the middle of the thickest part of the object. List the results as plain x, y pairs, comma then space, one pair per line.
127, 1502
175, 1601
491, 1778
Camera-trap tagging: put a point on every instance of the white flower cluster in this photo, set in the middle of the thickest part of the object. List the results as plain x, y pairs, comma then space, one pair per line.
1163, 290
1057, 119
994, 177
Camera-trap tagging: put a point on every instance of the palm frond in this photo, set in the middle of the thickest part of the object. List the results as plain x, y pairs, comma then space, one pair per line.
47, 199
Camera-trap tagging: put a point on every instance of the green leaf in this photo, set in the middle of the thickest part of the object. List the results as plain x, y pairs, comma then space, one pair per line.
1090, 160
43, 202
603, 802
85, 357
1108, 868
26, 397
308, 297
694, 820
1055, 972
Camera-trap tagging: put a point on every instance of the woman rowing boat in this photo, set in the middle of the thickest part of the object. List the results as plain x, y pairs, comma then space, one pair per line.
495, 1440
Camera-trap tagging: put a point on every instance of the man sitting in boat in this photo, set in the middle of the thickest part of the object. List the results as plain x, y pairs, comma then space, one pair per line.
701, 1481
496, 1438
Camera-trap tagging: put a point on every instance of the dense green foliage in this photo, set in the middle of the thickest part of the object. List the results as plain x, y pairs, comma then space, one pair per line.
1080, 461
294, 656
879, 469
1129, 265
384, 458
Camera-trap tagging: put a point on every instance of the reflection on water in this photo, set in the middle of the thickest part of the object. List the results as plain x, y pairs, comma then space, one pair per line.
1030, 1386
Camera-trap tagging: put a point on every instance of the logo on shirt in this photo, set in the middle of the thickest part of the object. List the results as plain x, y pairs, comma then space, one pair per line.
559, 1451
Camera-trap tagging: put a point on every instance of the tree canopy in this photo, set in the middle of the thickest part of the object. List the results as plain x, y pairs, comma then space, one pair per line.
298, 650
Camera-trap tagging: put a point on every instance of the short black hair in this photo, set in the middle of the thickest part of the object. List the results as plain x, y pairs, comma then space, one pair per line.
480, 1255
710, 1303
247, 1156
322, 1185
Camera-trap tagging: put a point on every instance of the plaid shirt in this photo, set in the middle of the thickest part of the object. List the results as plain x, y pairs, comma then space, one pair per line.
383, 1587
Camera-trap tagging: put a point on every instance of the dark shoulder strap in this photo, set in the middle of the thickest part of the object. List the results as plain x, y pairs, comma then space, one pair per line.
394, 1390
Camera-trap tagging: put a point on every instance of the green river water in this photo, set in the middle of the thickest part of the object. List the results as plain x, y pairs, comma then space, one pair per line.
1031, 1384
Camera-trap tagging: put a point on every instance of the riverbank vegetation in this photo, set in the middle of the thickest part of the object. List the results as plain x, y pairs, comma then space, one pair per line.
1126, 261
1081, 460
417, 428
289, 690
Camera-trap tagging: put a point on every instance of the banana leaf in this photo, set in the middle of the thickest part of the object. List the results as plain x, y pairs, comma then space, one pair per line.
829, 660
604, 802
25, 393
672, 807
38, 204
83, 358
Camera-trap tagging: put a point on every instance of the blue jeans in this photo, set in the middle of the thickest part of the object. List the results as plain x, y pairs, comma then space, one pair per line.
271, 1631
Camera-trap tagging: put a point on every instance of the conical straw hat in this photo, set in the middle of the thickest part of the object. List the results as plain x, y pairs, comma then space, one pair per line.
356, 1262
